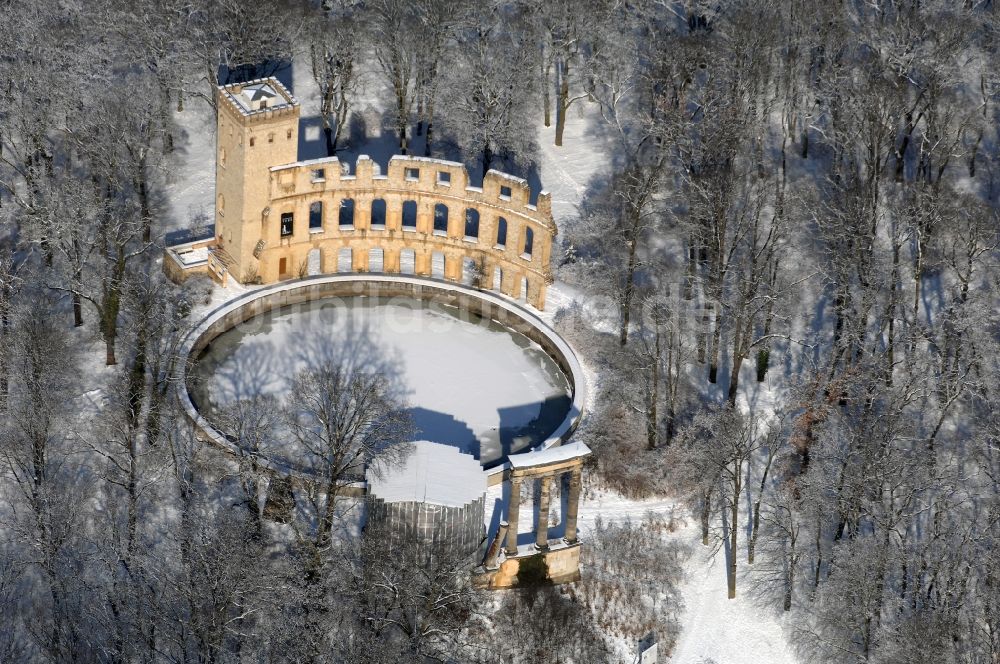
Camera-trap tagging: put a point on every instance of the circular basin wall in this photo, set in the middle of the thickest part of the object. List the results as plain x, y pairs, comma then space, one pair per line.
476, 372
468, 381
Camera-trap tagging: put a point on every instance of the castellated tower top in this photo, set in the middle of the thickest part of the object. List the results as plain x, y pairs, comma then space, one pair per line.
260, 97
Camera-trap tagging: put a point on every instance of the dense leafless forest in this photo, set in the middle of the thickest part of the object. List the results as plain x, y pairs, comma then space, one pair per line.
786, 289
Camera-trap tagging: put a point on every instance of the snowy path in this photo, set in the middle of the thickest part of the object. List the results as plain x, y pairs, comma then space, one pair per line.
717, 629
713, 627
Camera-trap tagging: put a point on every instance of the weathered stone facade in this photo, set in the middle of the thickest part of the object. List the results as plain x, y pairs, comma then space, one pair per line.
278, 218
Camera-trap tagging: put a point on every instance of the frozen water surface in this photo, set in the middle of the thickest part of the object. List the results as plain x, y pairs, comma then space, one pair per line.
468, 382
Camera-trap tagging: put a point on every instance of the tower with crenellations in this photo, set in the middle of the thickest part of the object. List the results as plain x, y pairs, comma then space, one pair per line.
258, 127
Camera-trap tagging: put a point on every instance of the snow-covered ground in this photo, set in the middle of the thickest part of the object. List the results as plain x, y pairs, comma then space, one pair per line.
713, 628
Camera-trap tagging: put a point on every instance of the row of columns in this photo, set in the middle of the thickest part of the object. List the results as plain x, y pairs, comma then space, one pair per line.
544, 499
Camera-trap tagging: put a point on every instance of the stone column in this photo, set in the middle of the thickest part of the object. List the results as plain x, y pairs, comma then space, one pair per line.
425, 216
422, 263
456, 222
512, 509
393, 213
538, 295
452, 267
359, 259
507, 280
363, 211
573, 504
390, 260
542, 528
493, 552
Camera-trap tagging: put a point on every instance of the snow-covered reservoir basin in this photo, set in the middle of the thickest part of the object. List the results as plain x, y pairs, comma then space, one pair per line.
467, 381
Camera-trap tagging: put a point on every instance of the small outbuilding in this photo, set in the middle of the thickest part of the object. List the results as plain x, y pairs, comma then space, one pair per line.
435, 497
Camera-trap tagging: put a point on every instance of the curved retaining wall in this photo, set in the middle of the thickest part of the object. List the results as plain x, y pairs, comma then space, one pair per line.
485, 304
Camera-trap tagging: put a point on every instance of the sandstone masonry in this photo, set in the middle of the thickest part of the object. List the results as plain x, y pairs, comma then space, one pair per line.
278, 218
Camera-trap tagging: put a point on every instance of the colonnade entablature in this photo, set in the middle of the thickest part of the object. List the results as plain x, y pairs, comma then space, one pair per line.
559, 465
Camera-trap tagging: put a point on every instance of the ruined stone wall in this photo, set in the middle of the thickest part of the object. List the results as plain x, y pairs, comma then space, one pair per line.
397, 225
277, 218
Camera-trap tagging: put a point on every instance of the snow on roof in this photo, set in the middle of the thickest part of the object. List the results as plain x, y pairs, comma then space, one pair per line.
550, 455
432, 473
192, 256
507, 176
426, 160
259, 91
258, 95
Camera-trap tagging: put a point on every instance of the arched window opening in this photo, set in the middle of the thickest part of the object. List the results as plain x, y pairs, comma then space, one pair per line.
347, 213
409, 215
471, 273
472, 224
345, 261
316, 216
314, 262
501, 232
378, 214
252, 141
529, 241
440, 219
376, 260
407, 261
437, 265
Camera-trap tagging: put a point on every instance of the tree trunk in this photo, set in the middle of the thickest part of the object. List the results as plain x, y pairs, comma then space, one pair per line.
734, 513
487, 159
654, 397
144, 208
819, 553
331, 144
706, 511
109, 343
402, 120
755, 529
713, 366
786, 605
4, 362
562, 102
420, 112
546, 97
429, 133
77, 310
626, 308
891, 335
